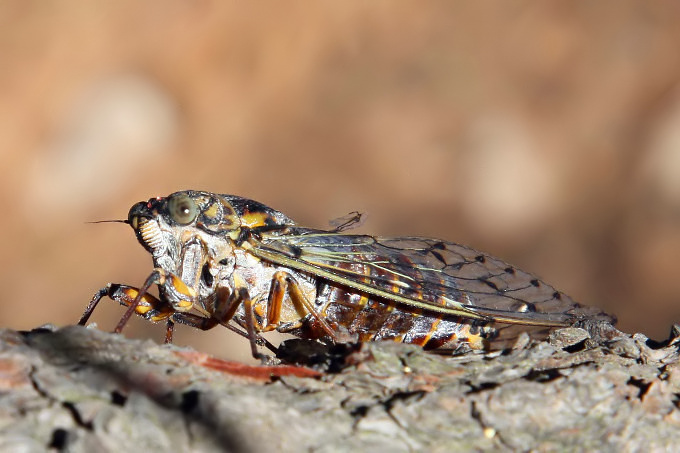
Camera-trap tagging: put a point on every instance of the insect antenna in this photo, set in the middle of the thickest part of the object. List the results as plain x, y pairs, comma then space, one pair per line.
109, 221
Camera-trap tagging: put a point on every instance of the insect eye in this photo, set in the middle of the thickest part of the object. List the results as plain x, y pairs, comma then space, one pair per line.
182, 209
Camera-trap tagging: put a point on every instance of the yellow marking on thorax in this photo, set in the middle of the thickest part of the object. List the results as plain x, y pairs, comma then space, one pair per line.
254, 219
211, 211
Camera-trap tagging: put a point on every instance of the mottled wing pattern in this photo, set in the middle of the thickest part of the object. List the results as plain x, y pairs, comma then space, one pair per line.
431, 273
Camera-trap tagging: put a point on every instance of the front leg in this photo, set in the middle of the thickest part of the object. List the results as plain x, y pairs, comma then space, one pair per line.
180, 298
179, 295
149, 307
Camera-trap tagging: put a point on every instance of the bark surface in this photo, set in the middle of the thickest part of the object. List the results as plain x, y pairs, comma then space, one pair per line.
83, 390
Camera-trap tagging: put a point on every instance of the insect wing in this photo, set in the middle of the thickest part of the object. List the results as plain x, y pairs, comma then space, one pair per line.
430, 274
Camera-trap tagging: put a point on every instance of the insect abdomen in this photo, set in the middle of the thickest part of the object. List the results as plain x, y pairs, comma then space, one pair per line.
380, 320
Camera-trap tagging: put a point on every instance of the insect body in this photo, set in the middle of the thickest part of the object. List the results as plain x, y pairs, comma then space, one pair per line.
222, 258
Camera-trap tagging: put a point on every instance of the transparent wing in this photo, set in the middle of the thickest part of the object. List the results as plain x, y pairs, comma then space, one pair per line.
430, 274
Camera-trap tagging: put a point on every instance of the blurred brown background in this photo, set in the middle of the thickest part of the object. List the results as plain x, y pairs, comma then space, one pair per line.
547, 133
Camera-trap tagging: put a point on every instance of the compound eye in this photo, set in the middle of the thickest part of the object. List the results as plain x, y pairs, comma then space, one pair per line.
182, 209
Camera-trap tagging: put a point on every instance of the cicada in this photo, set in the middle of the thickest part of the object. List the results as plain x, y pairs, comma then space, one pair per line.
230, 261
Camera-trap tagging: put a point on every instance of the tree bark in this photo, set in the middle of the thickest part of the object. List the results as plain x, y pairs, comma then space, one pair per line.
77, 389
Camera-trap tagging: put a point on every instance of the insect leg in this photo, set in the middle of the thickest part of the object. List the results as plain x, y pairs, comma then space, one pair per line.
149, 306
169, 330
225, 306
203, 323
153, 309
171, 283
241, 296
282, 282
93, 304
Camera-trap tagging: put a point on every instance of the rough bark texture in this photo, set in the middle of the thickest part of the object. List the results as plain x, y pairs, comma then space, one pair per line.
77, 389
